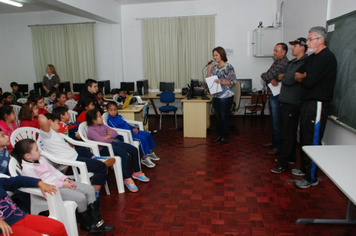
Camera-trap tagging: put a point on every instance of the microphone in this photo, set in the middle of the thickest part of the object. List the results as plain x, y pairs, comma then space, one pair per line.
211, 61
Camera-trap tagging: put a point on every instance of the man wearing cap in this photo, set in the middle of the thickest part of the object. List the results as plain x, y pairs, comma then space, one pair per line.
317, 77
290, 101
271, 76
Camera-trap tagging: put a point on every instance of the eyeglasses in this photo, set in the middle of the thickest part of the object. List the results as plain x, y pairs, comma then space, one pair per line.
311, 39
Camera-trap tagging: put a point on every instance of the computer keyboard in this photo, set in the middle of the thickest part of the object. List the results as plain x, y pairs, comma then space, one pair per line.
158, 94
205, 98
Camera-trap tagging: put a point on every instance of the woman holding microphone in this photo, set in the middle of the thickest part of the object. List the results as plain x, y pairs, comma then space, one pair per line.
222, 101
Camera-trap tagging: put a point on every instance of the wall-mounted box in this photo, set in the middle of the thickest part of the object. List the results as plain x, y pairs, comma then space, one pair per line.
264, 40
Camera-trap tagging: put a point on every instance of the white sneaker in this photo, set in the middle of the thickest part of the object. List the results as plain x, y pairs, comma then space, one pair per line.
153, 156
147, 162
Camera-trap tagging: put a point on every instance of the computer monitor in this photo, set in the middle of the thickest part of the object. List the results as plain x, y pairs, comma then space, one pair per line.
64, 86
78, 87
166, 86
142, 86
104, 85
127, 86
23, 88
38, 88
246, 86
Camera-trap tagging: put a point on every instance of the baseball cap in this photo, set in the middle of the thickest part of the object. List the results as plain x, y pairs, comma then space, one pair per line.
302, 41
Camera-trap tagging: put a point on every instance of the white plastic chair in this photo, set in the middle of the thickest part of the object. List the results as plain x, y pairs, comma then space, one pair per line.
22, 133
73, 116
71, 104
46, 100
50, 108
17, 109
63, 211
83, 132
22, 100
126, 134
114, 98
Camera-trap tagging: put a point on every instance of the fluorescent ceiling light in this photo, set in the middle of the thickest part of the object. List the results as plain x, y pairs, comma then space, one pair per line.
16, 4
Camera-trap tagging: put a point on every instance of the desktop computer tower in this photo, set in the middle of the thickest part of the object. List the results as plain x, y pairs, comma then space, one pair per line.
142, 86
104, 85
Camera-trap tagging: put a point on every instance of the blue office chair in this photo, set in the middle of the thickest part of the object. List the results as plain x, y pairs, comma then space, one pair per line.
167, 97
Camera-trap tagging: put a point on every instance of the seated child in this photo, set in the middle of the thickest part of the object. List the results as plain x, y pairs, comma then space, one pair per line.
146, 141
60, 100
28, 115
33, 165
85, 106
101, 100
7, 122
39, 102
14, 221
56, 146
71, 96
122, 96
62, 114
8, 99
52, 98
15, 91
1, 100
97, 131
4, 154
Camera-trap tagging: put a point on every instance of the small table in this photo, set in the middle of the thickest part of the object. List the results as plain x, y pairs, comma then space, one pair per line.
196, 117
153, 95
338, 163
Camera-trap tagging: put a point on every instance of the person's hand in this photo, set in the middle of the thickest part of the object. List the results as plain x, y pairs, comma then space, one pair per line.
107, 137
217, 81
56, 85
109, 131
274, 82
299, 76
47, 188
280, 76
69, 184
135, 131
5, 228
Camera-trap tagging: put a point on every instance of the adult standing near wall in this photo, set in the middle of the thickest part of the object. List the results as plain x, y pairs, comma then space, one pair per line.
290, 101
51, 79
317, 77
271, 76
222, 101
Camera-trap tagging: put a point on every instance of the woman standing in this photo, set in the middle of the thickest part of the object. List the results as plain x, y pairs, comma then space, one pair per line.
222, 101
51, 79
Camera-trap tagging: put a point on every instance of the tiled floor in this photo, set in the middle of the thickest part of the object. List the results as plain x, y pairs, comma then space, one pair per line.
202, 188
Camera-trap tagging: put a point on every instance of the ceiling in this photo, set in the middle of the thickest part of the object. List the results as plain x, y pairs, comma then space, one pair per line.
36, 5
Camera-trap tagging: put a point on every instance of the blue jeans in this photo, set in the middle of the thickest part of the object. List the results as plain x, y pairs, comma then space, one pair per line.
222, 107
123, 150
273, 103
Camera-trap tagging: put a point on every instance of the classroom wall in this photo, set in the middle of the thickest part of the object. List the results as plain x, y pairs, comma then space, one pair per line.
235, 22
298, 18
16, 47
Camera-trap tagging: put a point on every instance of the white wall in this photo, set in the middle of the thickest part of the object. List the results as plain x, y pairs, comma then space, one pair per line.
16, 47
235, 22
299, 17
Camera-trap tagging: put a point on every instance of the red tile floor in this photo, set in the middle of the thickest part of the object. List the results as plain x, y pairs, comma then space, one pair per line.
202, 188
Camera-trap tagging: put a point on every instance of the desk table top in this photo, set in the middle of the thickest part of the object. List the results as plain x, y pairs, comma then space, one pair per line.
338, 162
131, 109
152, 95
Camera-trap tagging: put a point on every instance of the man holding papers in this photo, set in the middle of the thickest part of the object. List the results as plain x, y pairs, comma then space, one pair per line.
271, 77
222, 101
289, 99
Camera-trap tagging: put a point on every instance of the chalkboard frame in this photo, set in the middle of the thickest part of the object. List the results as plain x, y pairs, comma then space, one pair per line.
341, 41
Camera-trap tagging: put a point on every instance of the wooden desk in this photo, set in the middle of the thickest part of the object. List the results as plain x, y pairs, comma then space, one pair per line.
129, 113
153, 95
196, 117
338, 163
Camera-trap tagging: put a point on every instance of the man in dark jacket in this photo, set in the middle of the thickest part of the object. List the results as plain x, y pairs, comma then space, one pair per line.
89, 93
289, 100
317, 77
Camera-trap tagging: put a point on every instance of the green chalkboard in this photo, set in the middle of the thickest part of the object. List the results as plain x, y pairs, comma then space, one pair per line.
341, 40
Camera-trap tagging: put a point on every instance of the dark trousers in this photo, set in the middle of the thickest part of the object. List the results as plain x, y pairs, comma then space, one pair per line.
123, 150
97, 167
276, 140
313, 119
289, 122
222, 107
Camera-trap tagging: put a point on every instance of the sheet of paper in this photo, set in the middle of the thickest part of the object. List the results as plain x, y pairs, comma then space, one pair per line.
212, 85
275, 89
